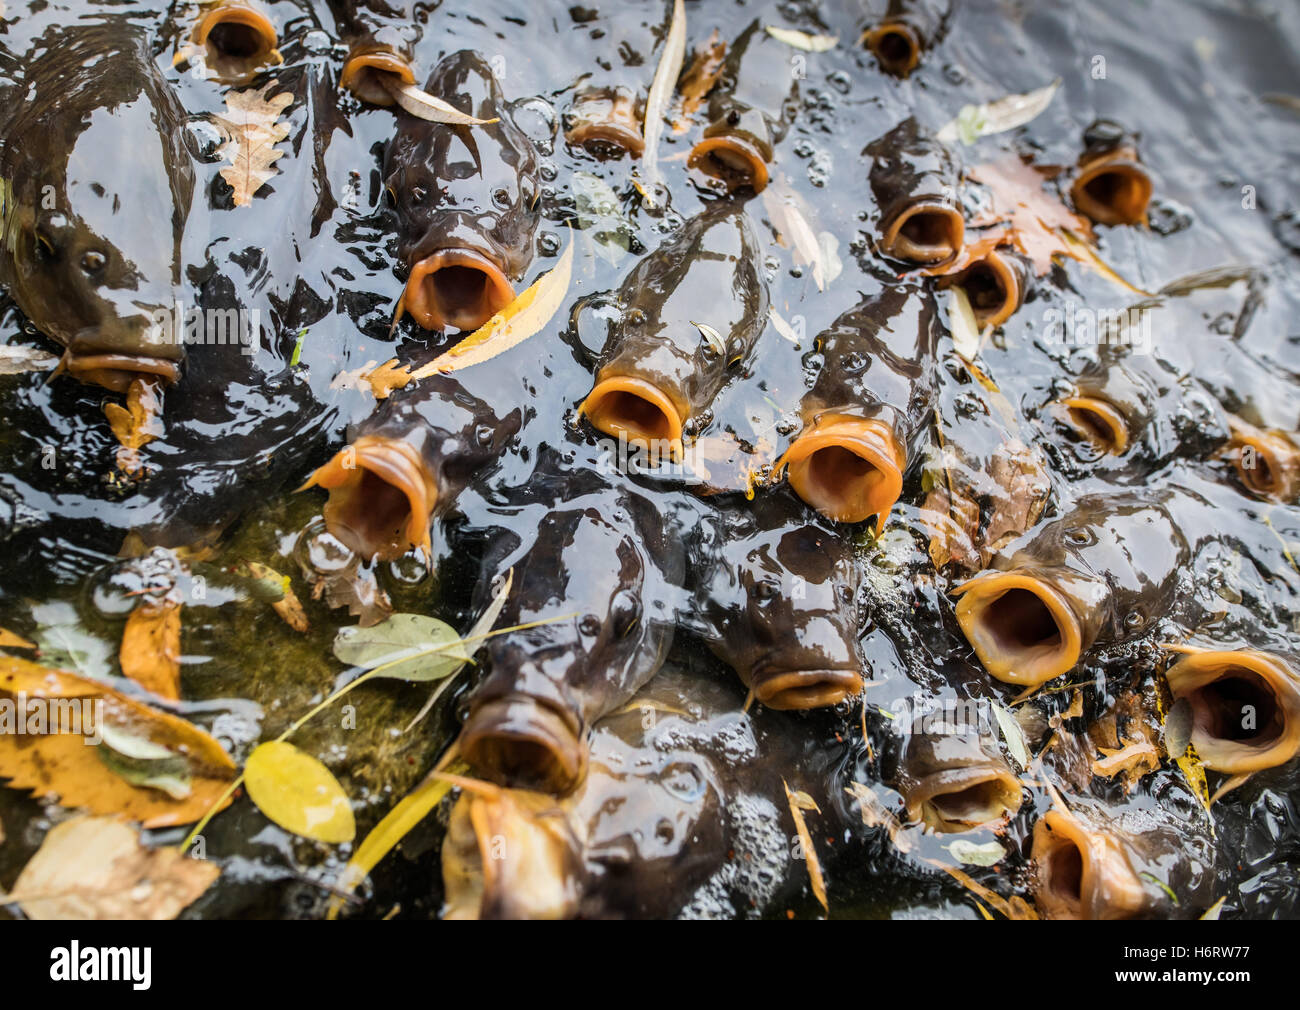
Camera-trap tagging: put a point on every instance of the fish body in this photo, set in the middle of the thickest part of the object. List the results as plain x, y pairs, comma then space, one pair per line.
97, 189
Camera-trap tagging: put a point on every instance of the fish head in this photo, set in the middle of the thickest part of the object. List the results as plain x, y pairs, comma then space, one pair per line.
238, 40
957, 781
1083, 869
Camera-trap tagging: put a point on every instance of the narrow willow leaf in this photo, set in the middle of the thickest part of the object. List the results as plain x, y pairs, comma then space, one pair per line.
298, 793
961, 321
408, 646
1084, 252
988, 854
16, 359
799, 802
802, 40
1013, 735
1214, 910
975, 121
712, 336
1178, 728
425, 106
661, 92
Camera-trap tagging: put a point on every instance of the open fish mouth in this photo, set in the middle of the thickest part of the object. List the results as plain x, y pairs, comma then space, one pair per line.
733, 159
927, 231
522, 742
803, 689
1267, 464
1082, 874
605, 122
364, 68
1096, 421
1245, 708
507, 854
964, 798
994, 286
116, 371
237, 38
381, 497
639, 411
896, 46
1022, 629
1113, 190
847, 468
456, 288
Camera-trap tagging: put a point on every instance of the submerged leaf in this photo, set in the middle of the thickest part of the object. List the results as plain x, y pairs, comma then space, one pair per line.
142, 762
151, 647
298, 793
972, 854
799, 802
408, 642
285, 602
1013, 735
135, 425
802, 40
1178, 728
698, 80
253, 128
96, 868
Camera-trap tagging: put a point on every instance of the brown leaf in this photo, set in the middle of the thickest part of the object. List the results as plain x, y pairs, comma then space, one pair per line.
1019, 476
135, 425
64, 766
1014, 907
799, 802
94, 868
353, 587
1036, 217
252, 129
698, 80
150, 653
876, 815
289, 607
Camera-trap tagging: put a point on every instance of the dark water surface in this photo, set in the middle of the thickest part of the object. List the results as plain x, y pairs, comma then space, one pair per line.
1211, 87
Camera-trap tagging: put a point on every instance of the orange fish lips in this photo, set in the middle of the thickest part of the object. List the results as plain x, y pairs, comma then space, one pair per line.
847, 468
1113, 189
1267, 462
896, 46
1022, 629
381, 497
606, 123
115, 371
805, 689
994, 286
926, 231
735, 160
1097, 421
460, 289
624, 406
1083, 874
239, 37
364, 68
960, 799
521, 741
1245, 708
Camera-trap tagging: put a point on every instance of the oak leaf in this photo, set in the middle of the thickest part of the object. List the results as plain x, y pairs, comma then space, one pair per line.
253, 128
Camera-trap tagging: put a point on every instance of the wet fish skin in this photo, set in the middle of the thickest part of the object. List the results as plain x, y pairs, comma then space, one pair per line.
1099, 574
750, 109
908, 29
99, 186
914, 179
656, 357
1110, 185
777, 597
954, 782
607, 566
465, 200
381, 39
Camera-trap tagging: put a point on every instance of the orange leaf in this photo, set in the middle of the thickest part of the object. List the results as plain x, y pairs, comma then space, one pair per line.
135, 425
150, 653
1035, 216
799, 802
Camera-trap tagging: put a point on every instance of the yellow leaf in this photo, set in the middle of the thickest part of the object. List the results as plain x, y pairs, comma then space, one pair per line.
8, 640
802, 40
298, 793
94, 868
135, 425
252, 130
150, 653
661, 90
521, 319
63, 766
799, 802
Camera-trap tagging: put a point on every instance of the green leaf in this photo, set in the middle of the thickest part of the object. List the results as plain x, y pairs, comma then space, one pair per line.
1160, 884
297, 347
975, 121
66, 644
142, 762
298, 793
1013, 735
600, 215
420, 648
988, 854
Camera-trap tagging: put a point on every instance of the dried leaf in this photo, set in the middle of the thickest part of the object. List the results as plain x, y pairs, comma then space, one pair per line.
15, 359
252, 129
788, 215
298, 793
661, 90
425, 106
151, 647
8, 640
64, 642
1021, 487
521, 319
135, 425
1010, 908
95, 868
1134, 760
975, 121
799, 802
972, 854
698, 80
782, 327
961, 322
1012, 734
1214, 910
876, 815
63, 766
417, 647
1085, 253
802, 40
288, 606
1035, 217
353, 587
712, 336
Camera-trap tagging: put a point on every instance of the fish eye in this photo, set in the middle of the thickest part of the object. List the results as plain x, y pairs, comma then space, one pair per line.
1079, 537
765, 589
501, 198
93, 261
1134, 620
733, 118
589, 626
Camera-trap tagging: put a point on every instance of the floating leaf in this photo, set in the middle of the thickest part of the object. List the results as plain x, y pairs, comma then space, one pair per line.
802, 40
61, 765
144, 763
64, 642
151, 647
15, 359
1011, 908
698, 80
1215, 910
425, 106
711, 336
968, 852
252, 129
8, 640
799, 802
783, 327
1035, 219
1013, 735
137, 424
875, 815
298, 793
297, 348
1084, 252
95, 868
521, 319
975, 121
661, 90
285, 602
408, 641
961, 321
